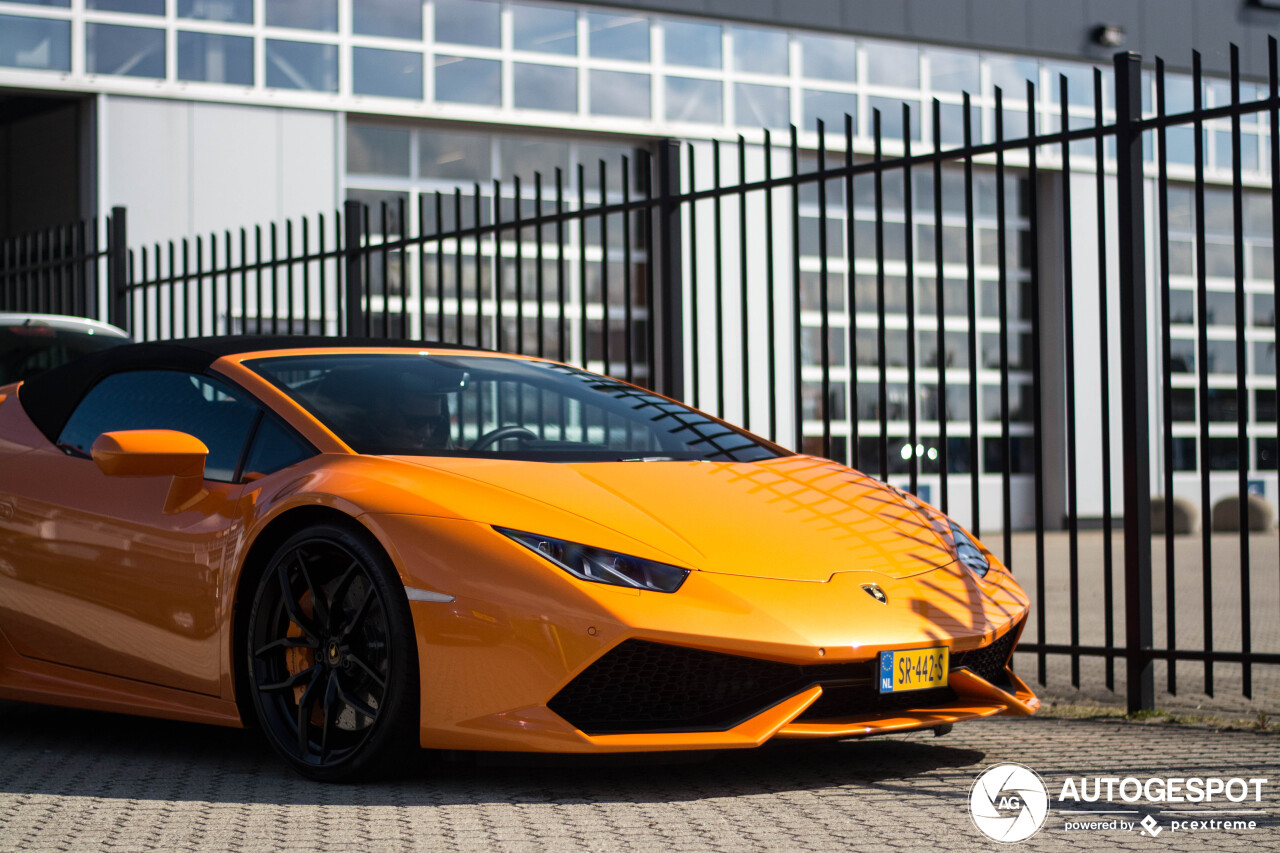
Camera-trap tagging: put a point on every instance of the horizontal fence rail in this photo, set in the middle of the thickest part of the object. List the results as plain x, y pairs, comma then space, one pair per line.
959, 307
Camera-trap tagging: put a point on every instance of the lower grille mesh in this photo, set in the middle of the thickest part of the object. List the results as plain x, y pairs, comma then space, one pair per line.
642, 686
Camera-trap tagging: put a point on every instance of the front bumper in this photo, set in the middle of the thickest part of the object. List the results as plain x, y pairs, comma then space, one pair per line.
527, 658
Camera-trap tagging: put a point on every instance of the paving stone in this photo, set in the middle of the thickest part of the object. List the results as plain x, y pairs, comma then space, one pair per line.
79, 781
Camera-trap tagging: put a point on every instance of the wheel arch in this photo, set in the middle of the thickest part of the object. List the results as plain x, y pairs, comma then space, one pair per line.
264, 545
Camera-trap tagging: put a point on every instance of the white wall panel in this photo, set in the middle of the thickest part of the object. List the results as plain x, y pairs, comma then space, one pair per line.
184, 168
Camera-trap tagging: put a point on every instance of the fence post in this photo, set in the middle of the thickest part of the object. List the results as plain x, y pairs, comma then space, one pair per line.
670, 301
353, 222
1134, 369
118, 269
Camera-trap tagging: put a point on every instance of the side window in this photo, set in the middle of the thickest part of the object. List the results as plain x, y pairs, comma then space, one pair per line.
274, 448
166, 399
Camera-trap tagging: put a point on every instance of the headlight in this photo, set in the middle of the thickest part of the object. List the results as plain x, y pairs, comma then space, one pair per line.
600, 566
969, 553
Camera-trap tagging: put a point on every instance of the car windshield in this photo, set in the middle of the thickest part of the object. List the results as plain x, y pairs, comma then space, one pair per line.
28, 349
424, 404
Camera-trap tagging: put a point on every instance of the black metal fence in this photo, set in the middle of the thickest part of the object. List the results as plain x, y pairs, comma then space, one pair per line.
961, 309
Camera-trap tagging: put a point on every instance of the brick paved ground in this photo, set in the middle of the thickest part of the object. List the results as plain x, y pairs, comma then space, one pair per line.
73, 780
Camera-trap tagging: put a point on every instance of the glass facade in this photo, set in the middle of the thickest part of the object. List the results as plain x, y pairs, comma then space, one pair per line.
409, 176
642, 76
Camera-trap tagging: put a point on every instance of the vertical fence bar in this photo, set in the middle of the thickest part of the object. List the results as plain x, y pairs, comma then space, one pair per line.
1033, 212
562, 327
1069, 362
583, 329
717, 208
1104, 381
275, 275
824, 340
459, 297
479, 259
851, 296
1202, 370
1166, 371
172, 282
909, 247
628, 319
402, 232
769, 287
670, 302
288, 277
539, 283
882, 383
695, 359
1131, 210
743, 280
604, 269
1242, 391
118, 269
971, 299
244, 281
1273, 87
939, 281
306, 276
422, 259
353, 279
796, 352
1002, 295
499, 332
439, 243
384, 286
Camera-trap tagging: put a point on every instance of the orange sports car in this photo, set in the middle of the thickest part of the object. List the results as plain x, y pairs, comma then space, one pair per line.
362, 547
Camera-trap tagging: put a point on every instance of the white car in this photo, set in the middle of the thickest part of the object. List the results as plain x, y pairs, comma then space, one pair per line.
34, 343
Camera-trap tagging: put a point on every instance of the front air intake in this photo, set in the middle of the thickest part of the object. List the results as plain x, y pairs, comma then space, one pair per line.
646, 687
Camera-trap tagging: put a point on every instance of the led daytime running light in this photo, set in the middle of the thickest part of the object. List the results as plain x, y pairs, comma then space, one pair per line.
600, 566
968, 552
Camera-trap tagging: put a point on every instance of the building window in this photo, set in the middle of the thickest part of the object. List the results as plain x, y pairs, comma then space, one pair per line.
692, 45
319, 15
618, 37
229, 11
391, 18
829, 108
544, 29
136, 7
760, 51
828, 58
762, 106
620, 93
388, 73
35, 43
302, 65
126, 51
695, 100
212, 58
468, 81
545, 87
374, 149
957, 71
474, 22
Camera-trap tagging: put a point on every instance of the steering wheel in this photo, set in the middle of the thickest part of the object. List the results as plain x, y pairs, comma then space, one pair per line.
493, 436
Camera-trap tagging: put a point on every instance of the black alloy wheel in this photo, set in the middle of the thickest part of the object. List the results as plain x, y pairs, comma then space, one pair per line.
332, 661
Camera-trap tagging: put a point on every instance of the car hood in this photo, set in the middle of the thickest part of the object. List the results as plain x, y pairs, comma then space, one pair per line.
794, 518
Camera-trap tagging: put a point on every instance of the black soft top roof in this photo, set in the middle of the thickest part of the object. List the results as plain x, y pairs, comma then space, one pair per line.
50, 397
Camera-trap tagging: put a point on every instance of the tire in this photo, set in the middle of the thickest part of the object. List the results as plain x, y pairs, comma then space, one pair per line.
331, 659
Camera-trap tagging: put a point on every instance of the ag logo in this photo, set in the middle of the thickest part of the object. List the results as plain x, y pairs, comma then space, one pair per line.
1008, 803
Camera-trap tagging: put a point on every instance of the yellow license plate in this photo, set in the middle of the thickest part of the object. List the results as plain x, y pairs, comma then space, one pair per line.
913, 669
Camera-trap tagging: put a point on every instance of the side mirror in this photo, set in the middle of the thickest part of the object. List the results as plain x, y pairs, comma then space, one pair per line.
155, 453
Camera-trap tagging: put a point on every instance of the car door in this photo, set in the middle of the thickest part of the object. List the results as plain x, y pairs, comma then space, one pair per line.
100, 576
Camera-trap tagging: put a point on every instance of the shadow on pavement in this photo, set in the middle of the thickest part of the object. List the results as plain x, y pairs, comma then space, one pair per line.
70, 753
